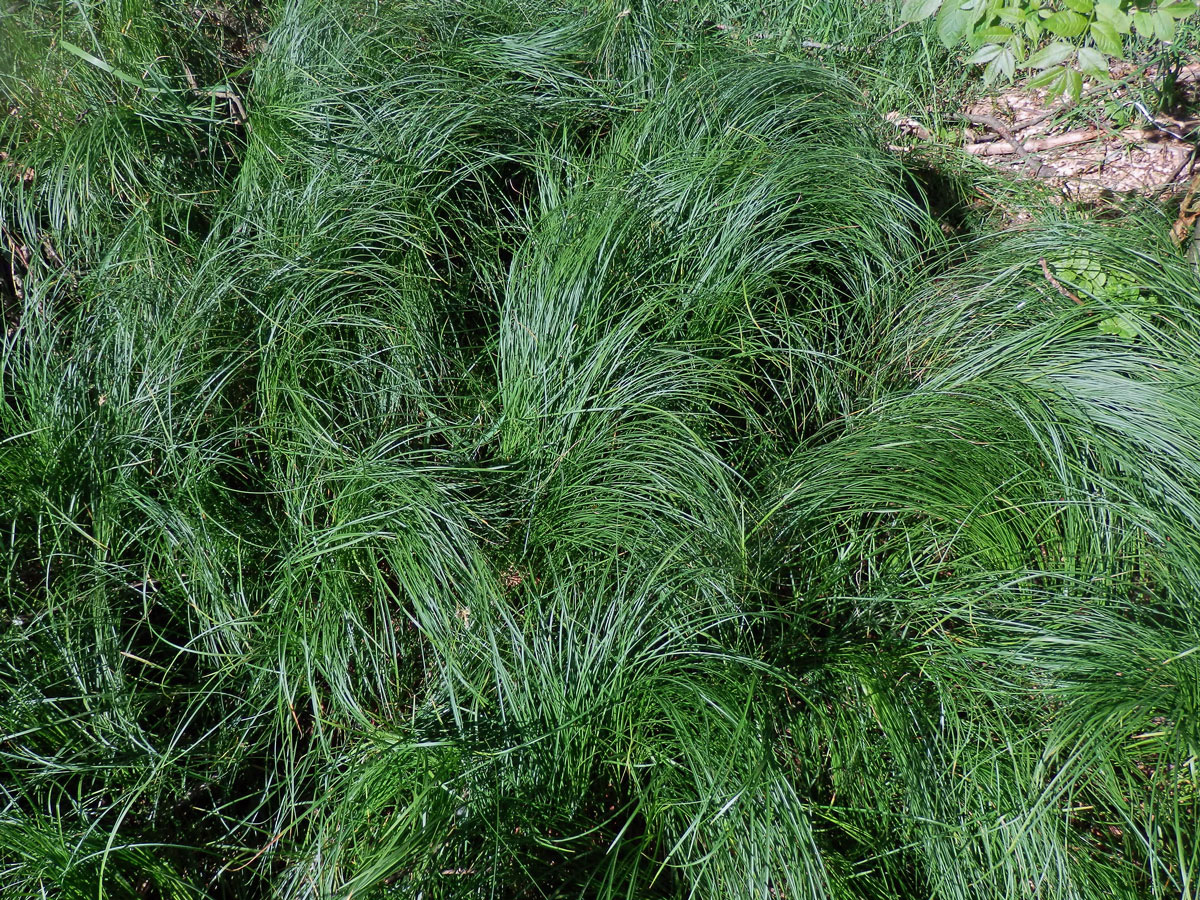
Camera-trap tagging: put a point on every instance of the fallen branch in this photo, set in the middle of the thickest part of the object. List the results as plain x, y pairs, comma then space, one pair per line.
910, 125
1058, 284
1002, 129
1047, 143
1129, 135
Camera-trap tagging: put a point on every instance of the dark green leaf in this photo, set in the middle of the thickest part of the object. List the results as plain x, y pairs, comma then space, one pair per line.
1073, 85
1002, 65
1051, 79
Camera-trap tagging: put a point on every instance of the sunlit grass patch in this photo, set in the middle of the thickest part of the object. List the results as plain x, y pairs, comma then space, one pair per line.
524, 451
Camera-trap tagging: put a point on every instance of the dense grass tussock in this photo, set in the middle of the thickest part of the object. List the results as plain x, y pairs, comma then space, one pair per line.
490, 449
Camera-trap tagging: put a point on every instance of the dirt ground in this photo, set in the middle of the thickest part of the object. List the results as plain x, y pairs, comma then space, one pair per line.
1081, 150
1096, 159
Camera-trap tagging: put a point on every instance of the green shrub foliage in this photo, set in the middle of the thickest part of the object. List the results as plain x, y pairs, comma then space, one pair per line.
1056, 42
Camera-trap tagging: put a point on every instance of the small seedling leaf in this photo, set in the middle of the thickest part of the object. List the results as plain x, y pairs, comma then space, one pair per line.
1119, 325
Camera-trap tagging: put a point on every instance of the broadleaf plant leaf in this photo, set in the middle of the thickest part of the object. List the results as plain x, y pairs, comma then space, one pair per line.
1106, 37
1051, 55
1003, 64
1073, 85
1179, 10
1093, 62
1118, 325
984, 54
1051, 79
1164, 25
1066, 23
918, 10
957, 19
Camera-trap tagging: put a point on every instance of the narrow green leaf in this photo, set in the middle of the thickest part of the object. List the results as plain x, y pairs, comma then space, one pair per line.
1008, 63
105, 67
995, 34
1047, 79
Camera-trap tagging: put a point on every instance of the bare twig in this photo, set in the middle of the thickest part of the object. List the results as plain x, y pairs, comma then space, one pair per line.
879, 40
1002, 129
1057, 284
1158, 126
1188, 160
267, 846
237, 111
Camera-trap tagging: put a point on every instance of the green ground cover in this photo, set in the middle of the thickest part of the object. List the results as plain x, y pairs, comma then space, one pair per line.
519, 449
